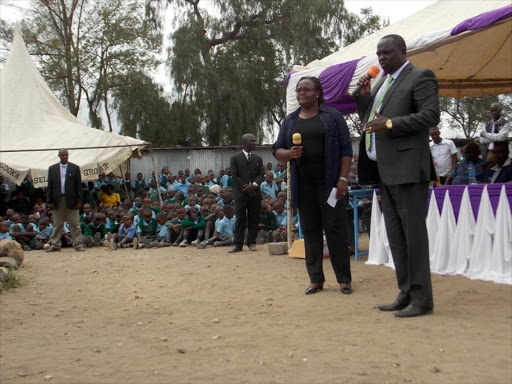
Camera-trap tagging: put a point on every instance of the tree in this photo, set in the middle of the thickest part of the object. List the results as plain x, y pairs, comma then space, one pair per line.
85, 48
469, 113
228, 60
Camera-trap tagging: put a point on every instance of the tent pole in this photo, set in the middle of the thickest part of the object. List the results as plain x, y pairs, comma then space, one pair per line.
156, 175
289, 226
124, 186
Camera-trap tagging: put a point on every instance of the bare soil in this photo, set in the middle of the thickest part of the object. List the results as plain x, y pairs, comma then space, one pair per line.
175, 315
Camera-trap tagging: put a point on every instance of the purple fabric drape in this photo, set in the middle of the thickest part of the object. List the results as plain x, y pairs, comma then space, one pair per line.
335, 81
475, 195
288, 77
483, 20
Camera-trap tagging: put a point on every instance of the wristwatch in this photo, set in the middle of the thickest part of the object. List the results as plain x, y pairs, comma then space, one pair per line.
343, 179
389, 124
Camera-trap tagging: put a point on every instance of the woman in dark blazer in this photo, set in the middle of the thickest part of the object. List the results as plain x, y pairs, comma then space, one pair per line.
321, 163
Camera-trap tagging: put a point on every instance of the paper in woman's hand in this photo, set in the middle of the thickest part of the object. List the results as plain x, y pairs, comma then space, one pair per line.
332, 198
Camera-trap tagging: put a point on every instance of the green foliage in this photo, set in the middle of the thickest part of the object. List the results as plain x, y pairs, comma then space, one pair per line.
469, 113
14, 280
229, 58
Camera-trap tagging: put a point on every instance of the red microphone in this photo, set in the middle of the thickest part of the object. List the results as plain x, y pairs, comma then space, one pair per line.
371, 74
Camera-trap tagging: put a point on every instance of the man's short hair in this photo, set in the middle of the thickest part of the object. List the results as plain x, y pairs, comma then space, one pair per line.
62, 150
397, 40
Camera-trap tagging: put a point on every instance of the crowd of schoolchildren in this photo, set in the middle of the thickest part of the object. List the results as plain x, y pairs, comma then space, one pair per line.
124, 212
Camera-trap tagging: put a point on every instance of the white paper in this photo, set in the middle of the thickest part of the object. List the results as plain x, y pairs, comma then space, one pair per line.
332, 198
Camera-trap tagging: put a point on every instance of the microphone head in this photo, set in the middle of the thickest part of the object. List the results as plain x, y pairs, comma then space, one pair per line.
297, 139
373, 71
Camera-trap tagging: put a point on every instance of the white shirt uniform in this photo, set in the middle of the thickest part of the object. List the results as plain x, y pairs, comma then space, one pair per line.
442, 156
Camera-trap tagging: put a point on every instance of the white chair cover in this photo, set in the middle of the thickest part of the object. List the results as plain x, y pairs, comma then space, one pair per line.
376, 253
501, 257
385, 241
480, 259
444, 237
462, 243
433, 218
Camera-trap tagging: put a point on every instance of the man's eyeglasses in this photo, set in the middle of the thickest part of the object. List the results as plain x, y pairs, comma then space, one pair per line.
304, 90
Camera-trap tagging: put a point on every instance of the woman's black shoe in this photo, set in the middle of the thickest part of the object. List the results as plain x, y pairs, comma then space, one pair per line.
346, 290
310, 290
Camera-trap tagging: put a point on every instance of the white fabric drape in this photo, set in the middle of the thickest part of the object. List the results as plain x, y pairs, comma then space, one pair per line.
462, 243
501, 256
479, 249
444, 237
480, 259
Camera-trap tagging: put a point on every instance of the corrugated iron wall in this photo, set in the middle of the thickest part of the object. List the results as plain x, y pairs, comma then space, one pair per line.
203, 158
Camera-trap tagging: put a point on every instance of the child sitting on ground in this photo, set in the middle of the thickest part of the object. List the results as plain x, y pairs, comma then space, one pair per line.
23, 232
4, 231
95, 231
176, 228
280, 213
45, 232
163, 235
146, 228
267, 224
193, 228
126, 236
224, 229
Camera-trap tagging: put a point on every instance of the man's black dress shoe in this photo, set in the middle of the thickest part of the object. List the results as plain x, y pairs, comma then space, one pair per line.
412, 311
235, 249
398, 304
310, 290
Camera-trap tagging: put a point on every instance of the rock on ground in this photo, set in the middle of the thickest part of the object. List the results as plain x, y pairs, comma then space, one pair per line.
8, 262
278, 248
11, 248
4, 274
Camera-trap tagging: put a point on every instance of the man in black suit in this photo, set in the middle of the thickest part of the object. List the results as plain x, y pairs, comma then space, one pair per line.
247, 173
394, 152
64, 196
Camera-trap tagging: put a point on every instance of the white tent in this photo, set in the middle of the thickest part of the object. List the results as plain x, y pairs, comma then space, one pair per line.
468, 45
31, 117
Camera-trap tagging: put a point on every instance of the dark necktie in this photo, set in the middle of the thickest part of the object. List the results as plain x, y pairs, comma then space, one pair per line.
249, 156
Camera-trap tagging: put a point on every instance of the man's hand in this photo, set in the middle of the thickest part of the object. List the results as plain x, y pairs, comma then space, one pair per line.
367, 88
78, 206
342, 187
295, 152
248, 188
50, 206
376, 125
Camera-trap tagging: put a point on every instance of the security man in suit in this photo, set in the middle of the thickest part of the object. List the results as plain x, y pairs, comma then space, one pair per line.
394, 152
247, 173
64, 196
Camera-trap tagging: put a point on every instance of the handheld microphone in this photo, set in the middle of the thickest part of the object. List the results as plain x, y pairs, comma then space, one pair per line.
297, 140
371, 74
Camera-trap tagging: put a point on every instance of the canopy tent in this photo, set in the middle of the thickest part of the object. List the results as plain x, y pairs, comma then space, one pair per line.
468, 45
31, 118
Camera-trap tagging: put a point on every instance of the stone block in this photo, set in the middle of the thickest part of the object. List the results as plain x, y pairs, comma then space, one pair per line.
278, 248
8, 262
11, 248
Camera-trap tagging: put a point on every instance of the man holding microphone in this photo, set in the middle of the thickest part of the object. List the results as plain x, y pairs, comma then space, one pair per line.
394, 152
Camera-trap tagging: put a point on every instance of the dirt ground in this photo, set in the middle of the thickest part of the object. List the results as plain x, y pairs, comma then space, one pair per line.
204, 316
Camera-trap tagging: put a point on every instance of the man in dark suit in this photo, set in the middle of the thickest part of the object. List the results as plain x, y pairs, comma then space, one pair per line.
64, 196
247, 173
394, 152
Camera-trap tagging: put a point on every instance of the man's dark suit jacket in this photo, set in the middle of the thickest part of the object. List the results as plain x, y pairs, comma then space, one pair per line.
245, 171
403, 154
73, 187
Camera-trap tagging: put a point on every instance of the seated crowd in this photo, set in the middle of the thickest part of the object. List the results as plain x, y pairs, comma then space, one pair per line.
121, 212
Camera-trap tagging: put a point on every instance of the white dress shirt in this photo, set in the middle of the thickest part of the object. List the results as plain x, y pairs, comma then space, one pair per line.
372, 153
63, 170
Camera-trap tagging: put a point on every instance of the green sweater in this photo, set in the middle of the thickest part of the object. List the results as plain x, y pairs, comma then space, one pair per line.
91, 229
147, 230
268, 219
189, 223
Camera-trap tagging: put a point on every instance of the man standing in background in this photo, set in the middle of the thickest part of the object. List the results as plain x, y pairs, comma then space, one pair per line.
248, 173
493, 131
444, 154
64, 196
